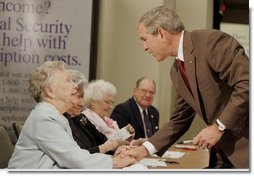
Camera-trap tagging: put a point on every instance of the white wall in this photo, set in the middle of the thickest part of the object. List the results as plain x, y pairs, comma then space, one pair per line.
121, 59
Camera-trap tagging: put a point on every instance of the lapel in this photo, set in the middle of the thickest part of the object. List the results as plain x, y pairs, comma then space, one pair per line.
151, 119
137, 115
190, 68
69, 123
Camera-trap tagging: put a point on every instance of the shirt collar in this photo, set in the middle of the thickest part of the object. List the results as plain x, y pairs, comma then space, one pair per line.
139, 107
180, 48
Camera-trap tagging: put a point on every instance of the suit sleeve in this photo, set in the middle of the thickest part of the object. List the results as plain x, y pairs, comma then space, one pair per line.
94, 149
100, 137
120, 115
178, 124
232, 66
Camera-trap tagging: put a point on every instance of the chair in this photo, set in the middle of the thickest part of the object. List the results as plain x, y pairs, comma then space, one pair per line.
6, 148
17, 127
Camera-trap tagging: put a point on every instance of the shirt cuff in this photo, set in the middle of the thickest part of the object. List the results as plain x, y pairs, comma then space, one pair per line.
150, 147
221, 124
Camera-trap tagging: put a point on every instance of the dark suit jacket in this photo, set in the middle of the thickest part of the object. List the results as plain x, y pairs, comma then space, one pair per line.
128, 113
85, 133
218, 72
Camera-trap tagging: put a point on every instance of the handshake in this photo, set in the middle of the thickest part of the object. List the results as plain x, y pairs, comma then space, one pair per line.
126, 155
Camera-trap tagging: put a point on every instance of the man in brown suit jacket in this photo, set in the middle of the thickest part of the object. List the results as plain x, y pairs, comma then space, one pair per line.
216, 87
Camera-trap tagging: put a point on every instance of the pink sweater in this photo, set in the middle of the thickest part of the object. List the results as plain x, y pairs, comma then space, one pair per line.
105, 125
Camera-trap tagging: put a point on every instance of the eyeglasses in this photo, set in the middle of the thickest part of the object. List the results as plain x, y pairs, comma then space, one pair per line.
144, 91
111, 102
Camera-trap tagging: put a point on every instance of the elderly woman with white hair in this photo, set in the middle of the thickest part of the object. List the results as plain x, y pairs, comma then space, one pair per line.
83, 131
46, 141
99, 99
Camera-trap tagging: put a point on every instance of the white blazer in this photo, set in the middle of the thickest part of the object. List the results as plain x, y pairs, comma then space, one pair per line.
46, 142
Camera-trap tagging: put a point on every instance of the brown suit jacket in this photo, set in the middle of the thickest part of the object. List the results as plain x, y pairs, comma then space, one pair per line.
218, 72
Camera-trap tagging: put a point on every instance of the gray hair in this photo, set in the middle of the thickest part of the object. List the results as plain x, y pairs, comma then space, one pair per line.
78, 78
161, 17
97, 90
139, 81
42, 76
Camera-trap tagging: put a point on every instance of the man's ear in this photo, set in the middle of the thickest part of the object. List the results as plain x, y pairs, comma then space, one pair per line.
134, 91
161, 34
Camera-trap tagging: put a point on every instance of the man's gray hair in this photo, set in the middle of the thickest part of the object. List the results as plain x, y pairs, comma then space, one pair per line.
140, 80
161, 17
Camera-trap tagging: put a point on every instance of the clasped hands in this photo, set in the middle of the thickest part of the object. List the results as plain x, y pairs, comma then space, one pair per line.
134, 150
126, 155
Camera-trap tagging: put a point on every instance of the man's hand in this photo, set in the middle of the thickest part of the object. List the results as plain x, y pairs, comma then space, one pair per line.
208, 137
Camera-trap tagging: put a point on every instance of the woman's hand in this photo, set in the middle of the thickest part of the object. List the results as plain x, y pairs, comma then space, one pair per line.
130, 129
120, 162
123, 148
111, 145
138, 142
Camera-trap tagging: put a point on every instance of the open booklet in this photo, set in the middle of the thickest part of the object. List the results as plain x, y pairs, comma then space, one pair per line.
122, 134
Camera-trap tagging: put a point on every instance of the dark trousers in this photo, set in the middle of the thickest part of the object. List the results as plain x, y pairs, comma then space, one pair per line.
218, 159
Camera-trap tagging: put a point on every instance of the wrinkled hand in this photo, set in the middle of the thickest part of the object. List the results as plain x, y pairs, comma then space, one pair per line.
111, 145
120, 162
138, 142
122, 142
208, 137
130, 129
122, 148
137, 152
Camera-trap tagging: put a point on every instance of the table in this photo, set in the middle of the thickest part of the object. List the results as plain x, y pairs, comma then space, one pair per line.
192, 159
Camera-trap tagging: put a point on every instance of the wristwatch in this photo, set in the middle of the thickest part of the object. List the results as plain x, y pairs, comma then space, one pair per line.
220, 126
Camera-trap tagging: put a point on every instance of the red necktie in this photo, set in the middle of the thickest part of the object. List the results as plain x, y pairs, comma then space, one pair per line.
183, 73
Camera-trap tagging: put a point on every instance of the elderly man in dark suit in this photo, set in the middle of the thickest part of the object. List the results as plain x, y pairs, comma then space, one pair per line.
211, 78
138, 110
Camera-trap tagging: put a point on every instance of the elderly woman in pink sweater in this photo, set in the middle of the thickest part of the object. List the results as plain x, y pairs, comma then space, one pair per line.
99, 100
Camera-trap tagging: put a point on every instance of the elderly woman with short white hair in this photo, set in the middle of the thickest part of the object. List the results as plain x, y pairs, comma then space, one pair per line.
99, 100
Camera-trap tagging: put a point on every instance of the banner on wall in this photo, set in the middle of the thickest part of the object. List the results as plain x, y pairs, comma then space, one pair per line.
32, 32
